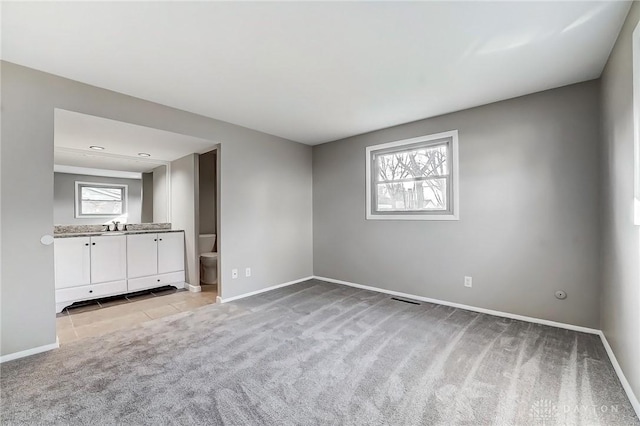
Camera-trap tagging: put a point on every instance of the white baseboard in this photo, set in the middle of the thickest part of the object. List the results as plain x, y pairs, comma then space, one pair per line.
193, 288
466, 307
32, 351
625, 383
253, 293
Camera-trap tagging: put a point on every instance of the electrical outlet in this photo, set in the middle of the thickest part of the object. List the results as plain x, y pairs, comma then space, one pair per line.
468, 282
247, 272
234, 273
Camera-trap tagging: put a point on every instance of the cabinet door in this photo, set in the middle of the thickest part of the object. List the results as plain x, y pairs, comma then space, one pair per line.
142, 255
72, 261
108, 258
170, 252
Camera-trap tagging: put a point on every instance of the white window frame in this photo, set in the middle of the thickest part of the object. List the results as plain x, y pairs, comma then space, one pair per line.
453, 214
78, 202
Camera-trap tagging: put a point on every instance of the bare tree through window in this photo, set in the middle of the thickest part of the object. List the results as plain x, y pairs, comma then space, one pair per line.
413, 179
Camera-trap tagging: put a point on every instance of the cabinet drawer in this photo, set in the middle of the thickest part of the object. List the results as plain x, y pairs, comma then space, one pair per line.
90, 291
155, 281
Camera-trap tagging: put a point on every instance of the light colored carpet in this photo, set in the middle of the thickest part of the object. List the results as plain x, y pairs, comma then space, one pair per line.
320, 353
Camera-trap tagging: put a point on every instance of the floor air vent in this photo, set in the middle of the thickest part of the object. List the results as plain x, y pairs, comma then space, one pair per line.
405, 301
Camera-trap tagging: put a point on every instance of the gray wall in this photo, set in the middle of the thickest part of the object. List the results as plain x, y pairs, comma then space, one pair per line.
253, 164
184, 205
621, 239
207, 185
160, 191
146, 213
528, 211
64, 190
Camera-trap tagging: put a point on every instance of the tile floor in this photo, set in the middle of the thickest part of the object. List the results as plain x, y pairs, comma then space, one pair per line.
103, 316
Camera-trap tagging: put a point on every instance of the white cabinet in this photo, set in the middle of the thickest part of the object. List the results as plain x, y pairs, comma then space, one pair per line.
159, 280
106, 265
155, 260
142, 255
89, 260
72, 261
66, 296
89, 267
170, 252
108, 258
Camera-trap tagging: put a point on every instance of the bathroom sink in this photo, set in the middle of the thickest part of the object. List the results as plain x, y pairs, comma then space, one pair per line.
113, 233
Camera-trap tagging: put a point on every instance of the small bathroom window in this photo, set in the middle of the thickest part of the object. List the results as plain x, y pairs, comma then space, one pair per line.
100, 200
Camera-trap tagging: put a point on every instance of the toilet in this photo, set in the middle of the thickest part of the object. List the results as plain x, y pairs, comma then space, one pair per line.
208, 259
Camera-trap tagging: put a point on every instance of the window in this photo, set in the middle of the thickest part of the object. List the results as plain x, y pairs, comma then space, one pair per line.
414, 179
100, 200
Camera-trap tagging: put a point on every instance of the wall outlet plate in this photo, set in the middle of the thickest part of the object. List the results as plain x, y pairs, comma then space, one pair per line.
468, 282
234, 273
247, 272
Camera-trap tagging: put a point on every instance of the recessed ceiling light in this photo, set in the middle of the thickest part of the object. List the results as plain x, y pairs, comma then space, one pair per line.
144, 154
96, 147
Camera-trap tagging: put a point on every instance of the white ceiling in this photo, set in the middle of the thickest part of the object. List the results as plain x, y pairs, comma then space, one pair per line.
316, 71
74, 133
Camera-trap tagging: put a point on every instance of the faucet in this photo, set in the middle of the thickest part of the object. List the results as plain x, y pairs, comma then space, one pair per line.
115, 226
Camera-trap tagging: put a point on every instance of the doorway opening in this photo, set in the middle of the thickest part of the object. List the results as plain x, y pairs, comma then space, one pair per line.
208, 230
126, 210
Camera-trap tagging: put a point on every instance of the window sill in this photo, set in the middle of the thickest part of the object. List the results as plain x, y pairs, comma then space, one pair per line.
113, 216
445, 217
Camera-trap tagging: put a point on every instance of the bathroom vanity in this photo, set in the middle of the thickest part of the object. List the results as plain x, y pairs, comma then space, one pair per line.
99, 264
